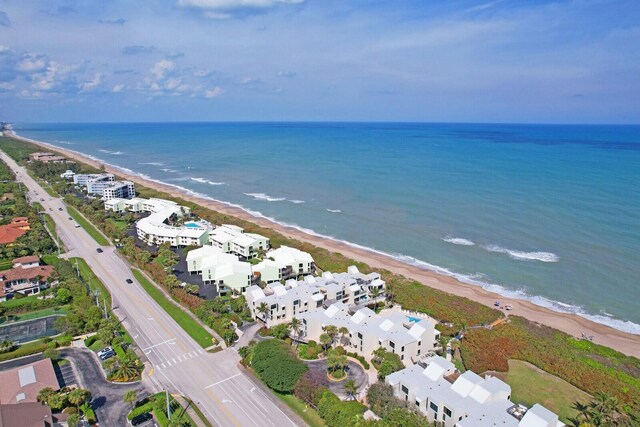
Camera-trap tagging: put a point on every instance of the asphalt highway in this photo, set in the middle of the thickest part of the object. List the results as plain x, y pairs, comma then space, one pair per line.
224, 393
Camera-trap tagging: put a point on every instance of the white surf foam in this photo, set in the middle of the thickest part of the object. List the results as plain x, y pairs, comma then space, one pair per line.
297, 202
524, 256
115, 153
64, 142
458, 241
262, 196
334, 210
151, 163
169, 170
472, 279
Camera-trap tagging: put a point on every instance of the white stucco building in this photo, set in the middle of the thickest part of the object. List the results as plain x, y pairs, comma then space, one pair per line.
119, 190
232, 239
83, 178
284, 263
408, 337
452, 399
223, 270
290, 300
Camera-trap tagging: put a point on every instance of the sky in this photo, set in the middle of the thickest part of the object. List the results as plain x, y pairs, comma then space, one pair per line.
537, 61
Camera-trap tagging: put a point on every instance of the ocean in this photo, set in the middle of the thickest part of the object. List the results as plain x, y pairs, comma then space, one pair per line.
546, 213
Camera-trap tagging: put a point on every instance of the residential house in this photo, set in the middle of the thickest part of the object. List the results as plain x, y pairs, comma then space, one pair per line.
27, 280
232, 239
17, 228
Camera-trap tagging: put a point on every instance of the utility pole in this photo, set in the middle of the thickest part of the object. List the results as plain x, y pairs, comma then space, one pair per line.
104, 301
77, 269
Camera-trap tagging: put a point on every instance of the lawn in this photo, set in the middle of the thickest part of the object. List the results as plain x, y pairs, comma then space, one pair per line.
186, 322
530, 385
120, 225
91, 279
5, 264
309, 415
84, 223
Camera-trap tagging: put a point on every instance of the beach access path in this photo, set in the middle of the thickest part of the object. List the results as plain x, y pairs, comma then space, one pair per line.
225, 394
572, 324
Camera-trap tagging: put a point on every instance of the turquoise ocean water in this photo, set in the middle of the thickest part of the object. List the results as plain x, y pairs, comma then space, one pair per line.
547, 213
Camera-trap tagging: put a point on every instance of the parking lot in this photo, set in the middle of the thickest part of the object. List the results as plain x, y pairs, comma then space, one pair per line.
65, 375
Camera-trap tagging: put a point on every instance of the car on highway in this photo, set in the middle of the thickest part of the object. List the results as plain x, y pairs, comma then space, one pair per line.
99, 250
106, 353
129, 281
76, 225
70, 219
41, 199
60, 209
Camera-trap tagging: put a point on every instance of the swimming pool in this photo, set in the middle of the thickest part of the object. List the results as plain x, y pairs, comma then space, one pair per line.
413, 319
192, 225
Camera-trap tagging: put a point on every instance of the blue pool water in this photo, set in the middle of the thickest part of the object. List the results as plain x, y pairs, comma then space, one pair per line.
192, 225
413, 319
547, 213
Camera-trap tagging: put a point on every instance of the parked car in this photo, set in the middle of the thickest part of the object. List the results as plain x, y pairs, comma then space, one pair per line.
141, 419
106, 353
59, 209
99, 250
129, 281
70, 219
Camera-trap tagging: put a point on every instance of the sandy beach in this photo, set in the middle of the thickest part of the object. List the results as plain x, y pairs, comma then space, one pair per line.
570, 323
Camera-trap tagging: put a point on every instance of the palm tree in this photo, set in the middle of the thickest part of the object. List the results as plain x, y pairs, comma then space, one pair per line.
79, 396
325, 340
350, 388
295, 326
263, 308
378, 354
130, 397
332, 331
125, 370
45, 394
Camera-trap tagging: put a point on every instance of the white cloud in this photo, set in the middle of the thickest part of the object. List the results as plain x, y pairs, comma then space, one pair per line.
117, 88
89, 85
202, 73
226, 9
6, 86
163, 68
213, 93
32, 63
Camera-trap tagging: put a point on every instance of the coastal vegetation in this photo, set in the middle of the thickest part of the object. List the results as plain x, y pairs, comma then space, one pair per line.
588, 366
156, 404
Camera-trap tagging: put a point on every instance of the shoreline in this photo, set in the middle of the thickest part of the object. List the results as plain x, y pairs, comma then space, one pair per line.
570, 323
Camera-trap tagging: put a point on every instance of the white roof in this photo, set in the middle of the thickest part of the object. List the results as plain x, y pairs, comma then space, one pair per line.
256, 292
317, 297
195, 233
539, 416
327, 275
232, 228
386, 324
114, 201
466, 383
353, 270
437, 368
334, 309
309, 279
279, 290
491, 388
203, 252
244, 240
354, 288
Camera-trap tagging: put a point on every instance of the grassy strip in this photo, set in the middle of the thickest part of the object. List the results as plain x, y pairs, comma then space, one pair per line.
51, 226
33, 348
37, 314
199, 413
186, 322
84, 223
89, 277
309, 415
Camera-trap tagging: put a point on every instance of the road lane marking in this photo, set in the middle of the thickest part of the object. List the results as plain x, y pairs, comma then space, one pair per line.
240, 407
179, 358
162, 366
160, 343
221, 381
174, 361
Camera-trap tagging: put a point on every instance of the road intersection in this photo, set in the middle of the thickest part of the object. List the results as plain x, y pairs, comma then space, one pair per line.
224, 393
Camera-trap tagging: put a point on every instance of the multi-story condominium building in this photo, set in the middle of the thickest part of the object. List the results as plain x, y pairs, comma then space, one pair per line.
233, 239
223, 270
284, 263
47, 158
452, 399
118, 190
278, 303
83, 179
408, 337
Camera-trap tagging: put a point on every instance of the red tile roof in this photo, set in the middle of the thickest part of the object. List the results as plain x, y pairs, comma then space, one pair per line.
22, 384
27, 259
9, 234
28, 273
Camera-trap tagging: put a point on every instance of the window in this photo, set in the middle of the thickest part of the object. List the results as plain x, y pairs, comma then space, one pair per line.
392, 344
447, 411
405, 390
402, 349
434, 407
417, 403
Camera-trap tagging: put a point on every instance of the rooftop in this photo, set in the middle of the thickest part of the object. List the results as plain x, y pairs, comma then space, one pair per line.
22, 384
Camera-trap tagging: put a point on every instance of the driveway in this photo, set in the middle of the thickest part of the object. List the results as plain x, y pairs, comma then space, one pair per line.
107, 397
354, 371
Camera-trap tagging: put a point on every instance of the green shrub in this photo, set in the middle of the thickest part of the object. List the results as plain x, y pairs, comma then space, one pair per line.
275, 364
